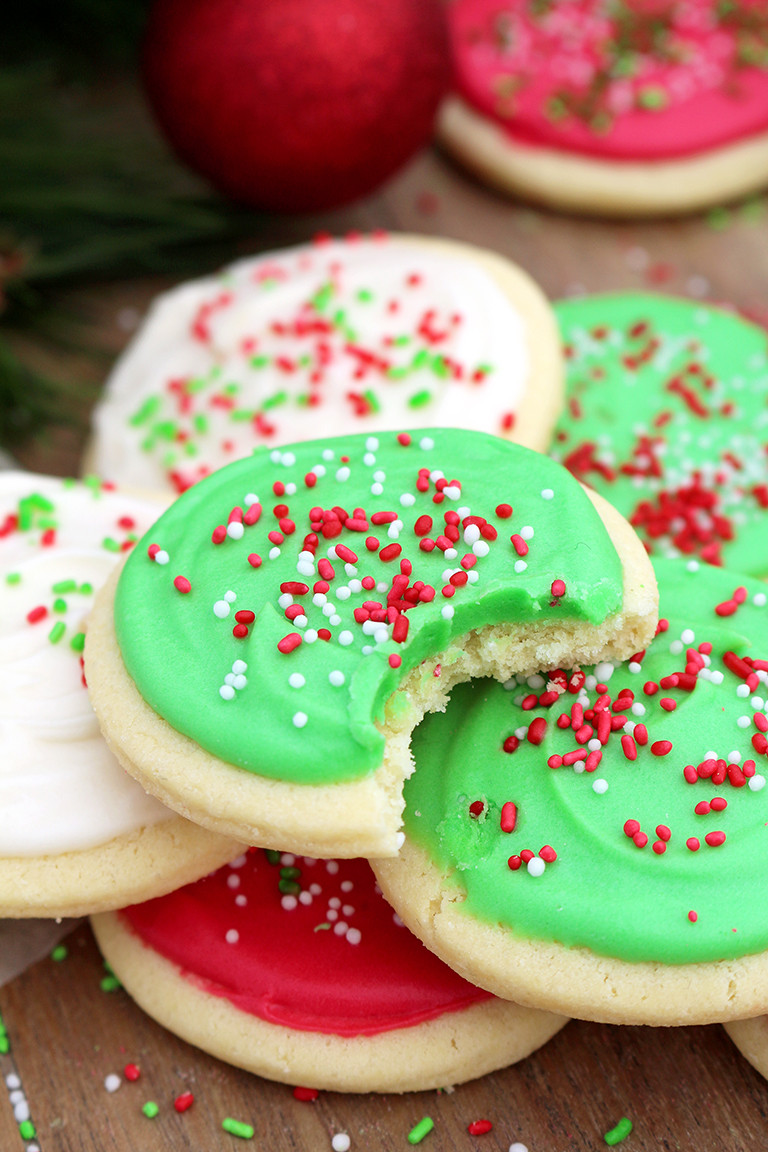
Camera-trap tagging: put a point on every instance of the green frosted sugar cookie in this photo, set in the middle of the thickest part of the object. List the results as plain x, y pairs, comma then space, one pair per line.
666, 416
271, 616
615, 817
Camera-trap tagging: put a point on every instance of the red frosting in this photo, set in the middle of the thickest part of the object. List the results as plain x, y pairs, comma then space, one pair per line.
638, 80
337, 962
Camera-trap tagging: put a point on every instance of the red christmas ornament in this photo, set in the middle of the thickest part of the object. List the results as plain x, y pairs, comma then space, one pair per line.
296, 105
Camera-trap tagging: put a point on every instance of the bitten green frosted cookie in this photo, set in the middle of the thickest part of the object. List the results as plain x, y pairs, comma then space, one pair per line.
666, 416
274, 638
622, 109
77, 834
338, 336
298, 970
602, 851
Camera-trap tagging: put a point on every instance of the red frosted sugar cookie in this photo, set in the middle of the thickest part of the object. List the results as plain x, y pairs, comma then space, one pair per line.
269, 645
337, 336
77, 834
618, 109
298, 970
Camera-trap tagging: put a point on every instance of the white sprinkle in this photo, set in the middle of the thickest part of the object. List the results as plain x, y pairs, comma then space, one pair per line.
161, 557
239, 682
716, 677
239, 861
289, 903
692, 565
336, 678
331, 915
520, 566
288, 459
250, 498
536, 866
518, 1147
296, 680
227, 692
547, 494
734, 757
600, 786
341, 1142
221, 609
300, 621
407, 500
12, 1081
343, 593
354, 936
377, 489
759, 599
744, 721
452, 491
327, 453
372, 443
471, 534
305, 898
233, 880
676, 647
241, 901
447, 611
230, 596
21, 1107
594, 745
341, 928
756, 782
332, 867
112, 1082
638, 709
481, 548
343, 474
526, 532
604, 672
319, 599
369, 459
299, 719
381, 635
687, 636
274, 553
319, 470
348, 910
239, 666
235, 530
285, 600
232, 936
634, 667
346, 638
275, 455
310, 635
305, 568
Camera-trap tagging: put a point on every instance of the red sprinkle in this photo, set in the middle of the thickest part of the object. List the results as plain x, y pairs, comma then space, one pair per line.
537, 730
183, 1102
479, 1127
558, 588
346, 554
693, 916
661, 747
245, 616
219, 534
36, 614
504, 511
131, 1072
305, 1093
508, 816
254, 560
715, 839
548, 854
693, 843
631, 827
289, 642
395, 661
182, 584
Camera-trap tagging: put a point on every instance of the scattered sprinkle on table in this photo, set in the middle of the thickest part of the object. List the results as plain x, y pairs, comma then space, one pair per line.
620, 1132
237, 1128
420, 1130
341, 1142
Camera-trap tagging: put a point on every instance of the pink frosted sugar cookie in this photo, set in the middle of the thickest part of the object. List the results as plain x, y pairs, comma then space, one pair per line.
622, 108
298, 970
338, 336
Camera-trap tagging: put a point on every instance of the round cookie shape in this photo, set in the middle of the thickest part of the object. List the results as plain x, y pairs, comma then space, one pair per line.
338, 336
77, 834
274, 959
269, 617
616, 832
601, 107
666, 417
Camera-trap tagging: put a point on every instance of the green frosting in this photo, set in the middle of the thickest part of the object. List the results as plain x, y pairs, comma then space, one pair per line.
667, 418
308, 715
604, 891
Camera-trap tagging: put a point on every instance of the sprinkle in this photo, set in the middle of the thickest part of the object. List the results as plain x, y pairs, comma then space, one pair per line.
420, 1130
693, 916
620, 1132
341, 1142
237, 1128
131, 1072
181, 584
305, 1094
300, 719
535, 866
479, 1127
150, 1109
112, 1082
183, 1102
508, 816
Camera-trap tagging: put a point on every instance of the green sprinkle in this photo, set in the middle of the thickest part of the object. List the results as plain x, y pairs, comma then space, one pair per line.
150, 1109
484, 369
145, 412
421, 359
440, 368
372, 400
13, 578
321, 927
57, 632
401, 341
59, 953
652, 98
273, 856
5, 1044
395, 373
620, 1132
339, 317
59, 605
275, 400
196, 385
259, 361
420, 1130
200, 423
165, 429
190, 449
109, 984
625, 65
290, 873
718, 218
289, 887
237, 1128
365, 295
419, 399
110, 544
93, 483
242, 415
231, 389
86, 589
322, 297
64, 586
77, 643
27, 1130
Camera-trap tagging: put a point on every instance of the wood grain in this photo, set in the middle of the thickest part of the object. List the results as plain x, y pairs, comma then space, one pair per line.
684, 1089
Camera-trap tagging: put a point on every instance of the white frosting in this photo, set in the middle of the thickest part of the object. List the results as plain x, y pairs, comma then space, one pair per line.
61, 789
208, 331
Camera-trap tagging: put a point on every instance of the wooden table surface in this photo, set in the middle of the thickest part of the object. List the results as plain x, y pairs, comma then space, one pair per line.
683, 1088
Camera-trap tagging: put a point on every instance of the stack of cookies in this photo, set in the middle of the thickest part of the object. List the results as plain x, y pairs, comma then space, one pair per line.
391, 628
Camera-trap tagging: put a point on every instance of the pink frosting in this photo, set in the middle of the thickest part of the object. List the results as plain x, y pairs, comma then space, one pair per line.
335, 960
642, 80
